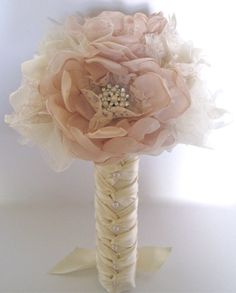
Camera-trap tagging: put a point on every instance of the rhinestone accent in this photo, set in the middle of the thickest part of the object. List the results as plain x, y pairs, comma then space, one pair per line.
113, 97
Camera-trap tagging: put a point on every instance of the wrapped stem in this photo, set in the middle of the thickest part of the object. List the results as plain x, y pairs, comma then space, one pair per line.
116, 206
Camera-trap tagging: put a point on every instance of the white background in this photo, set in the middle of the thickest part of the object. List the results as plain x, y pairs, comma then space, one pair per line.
187, 197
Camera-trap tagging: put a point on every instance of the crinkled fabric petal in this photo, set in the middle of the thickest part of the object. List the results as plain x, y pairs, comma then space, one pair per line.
60, 115
93, 99
114, 51
78, 121
140, 24
122, 145
80, 152
65, 90
86, 143
109, 65
142, 127
83, 107
108, 132
97, 29
181, 99
34, 68
150, 92
99, 120
60, 59
158, 144
96, 71
77, 73
142, 65
123, 123
156, 23
117, 20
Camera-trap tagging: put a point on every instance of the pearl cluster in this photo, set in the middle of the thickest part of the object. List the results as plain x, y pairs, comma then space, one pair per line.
113, 97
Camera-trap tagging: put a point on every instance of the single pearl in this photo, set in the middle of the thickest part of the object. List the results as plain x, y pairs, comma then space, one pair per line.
115, 174
114, 247
115, 229
115, 267
105, 104
115, 204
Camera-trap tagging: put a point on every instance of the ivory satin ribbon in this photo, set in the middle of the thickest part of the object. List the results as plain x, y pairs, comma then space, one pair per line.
116, 257
149, 259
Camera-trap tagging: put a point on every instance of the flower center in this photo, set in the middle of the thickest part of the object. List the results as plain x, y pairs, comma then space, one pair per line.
113, 98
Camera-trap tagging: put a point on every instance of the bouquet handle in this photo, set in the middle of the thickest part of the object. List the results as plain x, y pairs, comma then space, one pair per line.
116, 205
116, 255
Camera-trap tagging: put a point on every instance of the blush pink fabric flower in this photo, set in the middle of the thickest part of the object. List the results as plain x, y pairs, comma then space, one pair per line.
110, 48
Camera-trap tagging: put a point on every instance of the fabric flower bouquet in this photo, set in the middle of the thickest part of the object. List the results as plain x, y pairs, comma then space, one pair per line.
108, 89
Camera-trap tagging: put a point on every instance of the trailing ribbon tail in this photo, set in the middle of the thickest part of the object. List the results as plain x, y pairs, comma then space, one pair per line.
149, 259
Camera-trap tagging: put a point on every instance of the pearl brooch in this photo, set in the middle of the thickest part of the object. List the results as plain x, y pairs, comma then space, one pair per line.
113, 97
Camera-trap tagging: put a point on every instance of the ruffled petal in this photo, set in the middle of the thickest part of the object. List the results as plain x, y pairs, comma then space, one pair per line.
158, 141
93, 99
78, 121
140, 24
97, 29
65, 90
142, 127
142, 65
122, 145
181, 99
34, 68
156, 23
110, 65
150, 92
117, 20
114, 51
99, 120
85, 143
60, 115
84, 108
108, 132
96, 71
80, 152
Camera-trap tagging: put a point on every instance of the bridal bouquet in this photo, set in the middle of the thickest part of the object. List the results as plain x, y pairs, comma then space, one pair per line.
108, 89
